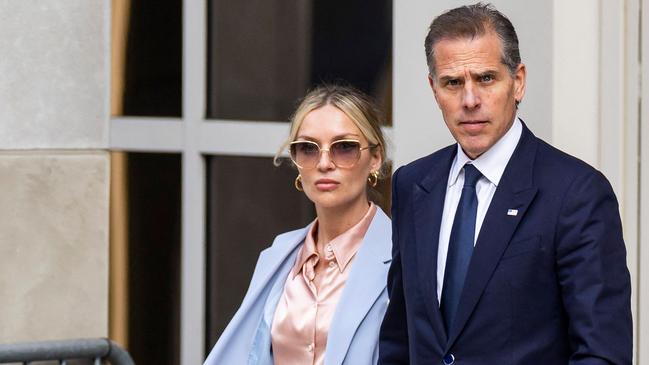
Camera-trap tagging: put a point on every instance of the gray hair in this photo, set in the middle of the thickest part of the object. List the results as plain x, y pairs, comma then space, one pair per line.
470, 22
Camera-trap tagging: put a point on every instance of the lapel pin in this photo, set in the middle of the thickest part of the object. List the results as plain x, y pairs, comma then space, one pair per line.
512, 212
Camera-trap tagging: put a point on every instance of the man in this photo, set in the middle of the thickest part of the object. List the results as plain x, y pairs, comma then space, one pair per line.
505, 249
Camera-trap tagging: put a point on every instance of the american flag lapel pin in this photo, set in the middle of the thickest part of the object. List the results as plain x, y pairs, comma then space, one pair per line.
512, 212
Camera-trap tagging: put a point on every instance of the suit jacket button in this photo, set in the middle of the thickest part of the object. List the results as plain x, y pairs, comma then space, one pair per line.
449, 359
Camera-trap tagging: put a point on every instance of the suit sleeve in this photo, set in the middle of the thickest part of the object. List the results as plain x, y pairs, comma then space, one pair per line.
592, 271
393, 338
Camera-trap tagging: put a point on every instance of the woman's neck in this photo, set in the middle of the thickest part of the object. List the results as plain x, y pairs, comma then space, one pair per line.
332, 222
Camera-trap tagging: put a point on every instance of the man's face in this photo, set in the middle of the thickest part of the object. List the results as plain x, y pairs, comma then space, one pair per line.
475, 90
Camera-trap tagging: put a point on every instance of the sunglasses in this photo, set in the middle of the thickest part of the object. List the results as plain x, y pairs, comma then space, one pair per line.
343, 153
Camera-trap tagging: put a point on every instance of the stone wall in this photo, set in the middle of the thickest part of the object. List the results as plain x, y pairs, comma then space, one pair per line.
54, 169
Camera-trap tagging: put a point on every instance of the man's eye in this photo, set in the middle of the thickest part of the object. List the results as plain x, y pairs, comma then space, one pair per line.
486, 78
453, 82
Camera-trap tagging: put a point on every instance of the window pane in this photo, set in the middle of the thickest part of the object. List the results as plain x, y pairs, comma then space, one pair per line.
154, 257
250, 201
147, 58
145, 206
265, 54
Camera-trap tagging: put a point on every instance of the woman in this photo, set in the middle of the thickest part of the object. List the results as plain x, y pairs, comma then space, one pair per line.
318, 294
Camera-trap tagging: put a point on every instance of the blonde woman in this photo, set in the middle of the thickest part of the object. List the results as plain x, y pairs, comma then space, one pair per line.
318, 294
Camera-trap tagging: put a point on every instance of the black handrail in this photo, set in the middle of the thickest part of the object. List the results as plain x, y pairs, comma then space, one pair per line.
100, 348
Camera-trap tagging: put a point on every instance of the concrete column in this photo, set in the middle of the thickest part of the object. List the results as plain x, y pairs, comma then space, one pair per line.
54, 169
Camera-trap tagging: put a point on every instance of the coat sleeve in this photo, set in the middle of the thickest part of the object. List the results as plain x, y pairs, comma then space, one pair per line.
592, 272
393, 337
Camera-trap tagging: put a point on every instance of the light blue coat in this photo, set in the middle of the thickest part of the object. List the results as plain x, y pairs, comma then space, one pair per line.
353, 335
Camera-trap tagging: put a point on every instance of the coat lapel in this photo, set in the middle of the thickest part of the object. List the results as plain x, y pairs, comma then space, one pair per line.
272, 258
515, 191
259, 353
231, 346
428, 205
364, 285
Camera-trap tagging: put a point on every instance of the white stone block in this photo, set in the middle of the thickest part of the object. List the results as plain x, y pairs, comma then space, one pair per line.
54, 74
53, 246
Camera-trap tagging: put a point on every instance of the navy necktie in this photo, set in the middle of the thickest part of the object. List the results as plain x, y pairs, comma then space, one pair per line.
460, 245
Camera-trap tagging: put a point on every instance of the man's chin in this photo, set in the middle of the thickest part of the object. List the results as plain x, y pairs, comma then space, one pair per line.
474, 150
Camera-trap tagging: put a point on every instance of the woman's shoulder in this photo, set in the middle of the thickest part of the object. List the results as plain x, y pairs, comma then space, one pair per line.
379, 234
380, 216
381, 223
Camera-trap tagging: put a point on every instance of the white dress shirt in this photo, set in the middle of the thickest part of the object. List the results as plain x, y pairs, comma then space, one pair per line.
491, 165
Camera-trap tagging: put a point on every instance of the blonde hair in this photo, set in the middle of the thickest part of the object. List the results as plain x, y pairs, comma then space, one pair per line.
355, 104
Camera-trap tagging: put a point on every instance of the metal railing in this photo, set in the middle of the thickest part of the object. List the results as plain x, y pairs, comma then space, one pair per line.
99, 350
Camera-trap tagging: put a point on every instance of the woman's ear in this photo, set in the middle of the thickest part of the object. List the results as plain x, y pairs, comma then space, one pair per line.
377, 159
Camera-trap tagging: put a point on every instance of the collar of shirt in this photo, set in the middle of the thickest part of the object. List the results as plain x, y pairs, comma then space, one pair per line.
492, 163
343, 247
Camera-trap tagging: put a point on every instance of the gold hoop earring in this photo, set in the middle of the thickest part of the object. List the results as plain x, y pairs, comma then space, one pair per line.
298, 183
373, 179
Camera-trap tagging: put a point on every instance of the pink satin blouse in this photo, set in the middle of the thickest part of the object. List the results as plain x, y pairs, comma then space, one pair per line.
311, 293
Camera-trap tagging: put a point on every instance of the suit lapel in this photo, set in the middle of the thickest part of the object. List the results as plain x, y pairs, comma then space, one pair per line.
428, 205
272, 259
259, 353
515, 191
364, 285
273, 266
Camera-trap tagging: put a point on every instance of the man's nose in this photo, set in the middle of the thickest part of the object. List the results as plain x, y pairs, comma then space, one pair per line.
470, 96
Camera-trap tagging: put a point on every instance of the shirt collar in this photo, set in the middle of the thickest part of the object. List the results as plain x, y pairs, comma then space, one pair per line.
492, 163
344, 246
307, 251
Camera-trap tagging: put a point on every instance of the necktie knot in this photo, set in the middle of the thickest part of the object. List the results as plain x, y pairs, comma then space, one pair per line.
471, 175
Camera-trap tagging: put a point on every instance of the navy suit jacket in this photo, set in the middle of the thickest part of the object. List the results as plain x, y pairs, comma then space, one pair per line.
548, 285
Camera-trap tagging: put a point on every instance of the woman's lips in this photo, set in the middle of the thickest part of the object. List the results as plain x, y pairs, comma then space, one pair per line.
326, 184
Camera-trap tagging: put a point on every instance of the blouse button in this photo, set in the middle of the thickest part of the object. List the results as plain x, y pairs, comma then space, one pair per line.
310, 347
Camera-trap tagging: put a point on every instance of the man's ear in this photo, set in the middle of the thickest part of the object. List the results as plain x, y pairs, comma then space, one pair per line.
431, 82
520, 81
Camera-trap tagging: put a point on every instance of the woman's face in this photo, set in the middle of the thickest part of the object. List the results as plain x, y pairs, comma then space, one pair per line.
325, 184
